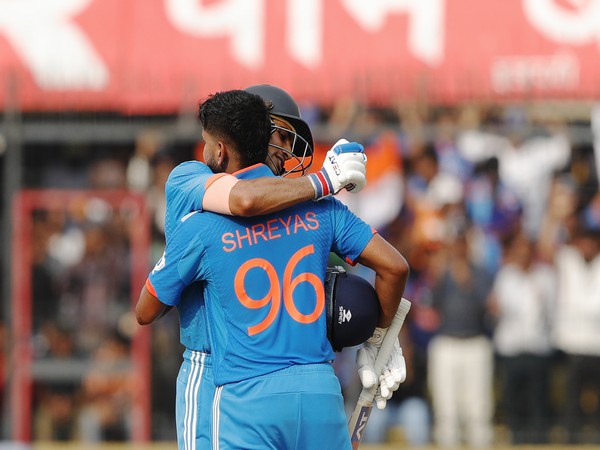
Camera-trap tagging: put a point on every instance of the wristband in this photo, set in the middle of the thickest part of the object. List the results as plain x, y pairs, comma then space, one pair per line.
321, 184
377, 337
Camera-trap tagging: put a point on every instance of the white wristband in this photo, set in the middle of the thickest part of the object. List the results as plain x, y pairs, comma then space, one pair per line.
377, 337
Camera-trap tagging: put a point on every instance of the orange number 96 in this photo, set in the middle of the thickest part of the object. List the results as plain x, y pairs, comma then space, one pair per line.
273, 296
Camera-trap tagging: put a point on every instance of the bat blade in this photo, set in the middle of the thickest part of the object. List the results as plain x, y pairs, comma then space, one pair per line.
364, 405
360, 417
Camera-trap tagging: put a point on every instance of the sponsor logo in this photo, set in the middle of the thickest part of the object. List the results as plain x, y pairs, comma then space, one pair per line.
344, 315
334, 164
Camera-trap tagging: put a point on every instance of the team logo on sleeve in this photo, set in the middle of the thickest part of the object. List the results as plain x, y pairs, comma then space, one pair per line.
160, 264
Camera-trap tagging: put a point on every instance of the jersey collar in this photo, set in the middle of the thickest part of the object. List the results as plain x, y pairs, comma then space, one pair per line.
255, 171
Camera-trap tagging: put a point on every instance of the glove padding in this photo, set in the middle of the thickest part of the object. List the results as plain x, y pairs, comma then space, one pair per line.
344, 167
394, 371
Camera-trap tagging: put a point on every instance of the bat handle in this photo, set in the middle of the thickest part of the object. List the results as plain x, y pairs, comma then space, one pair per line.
387, 346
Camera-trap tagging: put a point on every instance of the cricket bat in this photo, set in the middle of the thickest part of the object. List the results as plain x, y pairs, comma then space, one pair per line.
364, 405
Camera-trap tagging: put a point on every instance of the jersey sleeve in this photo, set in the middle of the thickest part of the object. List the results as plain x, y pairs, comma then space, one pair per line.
184, 191
351, 234
179, 266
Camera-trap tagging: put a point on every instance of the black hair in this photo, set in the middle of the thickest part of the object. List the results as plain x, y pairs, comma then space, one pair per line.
242, 120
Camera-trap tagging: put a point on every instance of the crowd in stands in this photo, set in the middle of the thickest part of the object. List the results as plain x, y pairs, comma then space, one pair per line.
502, 232
498, 214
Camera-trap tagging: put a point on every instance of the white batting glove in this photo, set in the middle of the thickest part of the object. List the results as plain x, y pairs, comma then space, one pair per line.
344, 167
394, 371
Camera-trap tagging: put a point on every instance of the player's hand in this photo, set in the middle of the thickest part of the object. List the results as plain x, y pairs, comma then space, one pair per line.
352, 163
344, 167
394, 371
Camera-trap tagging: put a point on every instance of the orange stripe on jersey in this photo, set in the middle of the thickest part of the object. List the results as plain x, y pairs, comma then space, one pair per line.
214, 178
150, 288
246, 169
353, 263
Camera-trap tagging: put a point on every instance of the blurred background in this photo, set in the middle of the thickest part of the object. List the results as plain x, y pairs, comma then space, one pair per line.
480, 121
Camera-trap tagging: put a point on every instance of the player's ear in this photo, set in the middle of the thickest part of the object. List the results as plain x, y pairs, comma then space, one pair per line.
222, 155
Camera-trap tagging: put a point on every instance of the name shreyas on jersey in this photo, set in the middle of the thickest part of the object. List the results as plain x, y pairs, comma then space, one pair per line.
270, 230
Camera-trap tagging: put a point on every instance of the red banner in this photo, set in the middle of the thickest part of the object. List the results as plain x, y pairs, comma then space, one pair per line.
164, 55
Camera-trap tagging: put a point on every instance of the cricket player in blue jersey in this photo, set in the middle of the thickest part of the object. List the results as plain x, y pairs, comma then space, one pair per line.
193, 185
263, 285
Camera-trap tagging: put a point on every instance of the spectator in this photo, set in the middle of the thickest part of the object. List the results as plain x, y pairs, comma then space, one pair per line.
577, 327
522, 300
55, 408
558, 220
139, 167
526, 163
494, 210
450, 159
95, 291
55, 417
106, 394
460, 358
431, 198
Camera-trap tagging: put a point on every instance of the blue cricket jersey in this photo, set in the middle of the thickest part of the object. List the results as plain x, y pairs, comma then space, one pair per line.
184, 192
262, 279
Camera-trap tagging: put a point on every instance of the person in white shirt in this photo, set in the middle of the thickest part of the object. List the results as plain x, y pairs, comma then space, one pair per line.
521, 303
576, 330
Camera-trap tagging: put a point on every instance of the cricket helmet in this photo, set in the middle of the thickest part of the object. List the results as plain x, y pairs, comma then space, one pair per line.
352, 308
281, 104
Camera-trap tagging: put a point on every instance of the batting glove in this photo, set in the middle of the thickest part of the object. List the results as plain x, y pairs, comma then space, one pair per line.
394, 371
344, 167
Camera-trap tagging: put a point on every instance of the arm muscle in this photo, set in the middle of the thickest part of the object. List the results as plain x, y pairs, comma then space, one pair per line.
391, 271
